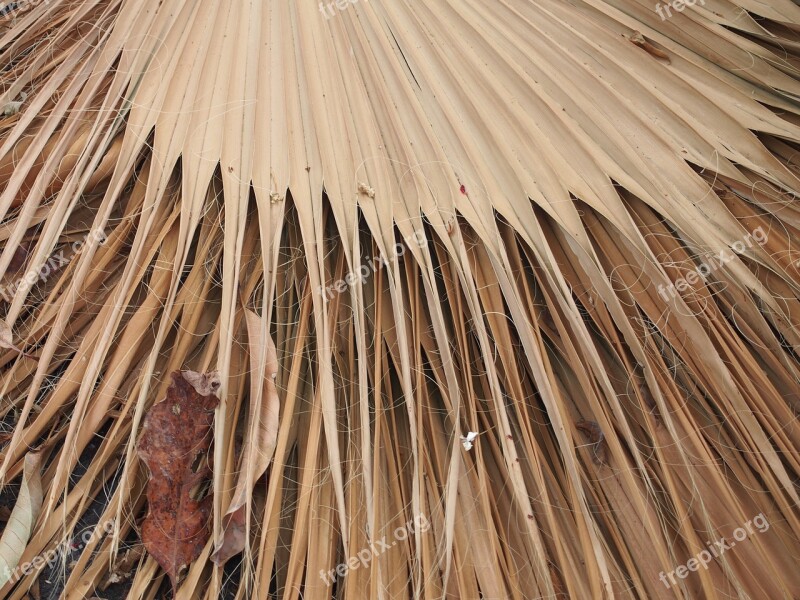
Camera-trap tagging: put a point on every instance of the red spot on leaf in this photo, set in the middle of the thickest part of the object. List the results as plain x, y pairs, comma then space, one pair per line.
464, 190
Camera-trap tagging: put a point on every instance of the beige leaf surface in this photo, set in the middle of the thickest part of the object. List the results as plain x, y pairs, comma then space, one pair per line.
19, 528
262, 433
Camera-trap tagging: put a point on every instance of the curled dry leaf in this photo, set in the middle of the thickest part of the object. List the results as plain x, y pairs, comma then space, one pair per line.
20, 524
234, 536
204, 383
14, 106
174, 444
6, 337
261, 437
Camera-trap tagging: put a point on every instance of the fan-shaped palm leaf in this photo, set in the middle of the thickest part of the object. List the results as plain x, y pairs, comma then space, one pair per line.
450, 217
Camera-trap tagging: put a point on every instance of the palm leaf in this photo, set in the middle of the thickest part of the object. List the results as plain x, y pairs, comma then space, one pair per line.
451, 217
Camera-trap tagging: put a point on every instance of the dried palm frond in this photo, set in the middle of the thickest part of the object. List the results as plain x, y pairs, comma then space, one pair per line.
531, 271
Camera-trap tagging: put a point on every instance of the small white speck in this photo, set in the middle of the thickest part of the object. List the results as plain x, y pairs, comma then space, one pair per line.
466, 440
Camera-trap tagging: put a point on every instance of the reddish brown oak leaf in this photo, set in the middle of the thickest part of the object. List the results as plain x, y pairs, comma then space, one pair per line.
174, 445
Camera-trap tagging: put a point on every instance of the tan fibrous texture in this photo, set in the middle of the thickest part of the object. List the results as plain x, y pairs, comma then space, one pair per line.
589, 233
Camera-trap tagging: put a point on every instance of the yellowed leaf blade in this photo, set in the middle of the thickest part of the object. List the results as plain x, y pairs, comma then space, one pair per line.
20, 525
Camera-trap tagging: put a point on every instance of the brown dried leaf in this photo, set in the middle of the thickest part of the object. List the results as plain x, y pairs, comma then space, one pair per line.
174, 444
261, 437
234, 536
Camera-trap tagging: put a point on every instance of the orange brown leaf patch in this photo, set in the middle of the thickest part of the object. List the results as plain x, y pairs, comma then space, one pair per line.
175, 441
